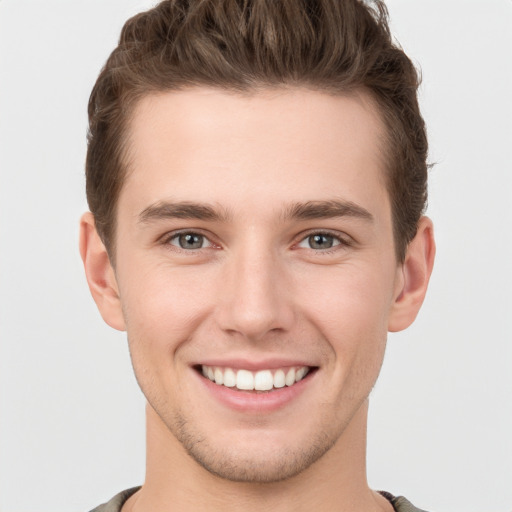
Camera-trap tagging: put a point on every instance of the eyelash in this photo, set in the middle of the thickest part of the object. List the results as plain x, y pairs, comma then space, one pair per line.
167, 239
340, 242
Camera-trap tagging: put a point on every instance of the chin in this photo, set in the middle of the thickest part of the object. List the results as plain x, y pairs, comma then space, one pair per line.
237, 467
254, 457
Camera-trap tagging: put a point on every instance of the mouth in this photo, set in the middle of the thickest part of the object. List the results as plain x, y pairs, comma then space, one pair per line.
261, 381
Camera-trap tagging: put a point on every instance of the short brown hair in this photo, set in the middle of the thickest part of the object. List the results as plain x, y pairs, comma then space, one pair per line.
336, 46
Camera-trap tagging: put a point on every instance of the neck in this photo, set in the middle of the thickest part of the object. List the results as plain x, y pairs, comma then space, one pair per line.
337, 481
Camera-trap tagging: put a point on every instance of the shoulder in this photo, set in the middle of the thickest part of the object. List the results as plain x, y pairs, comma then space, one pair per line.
400, 504
116, 503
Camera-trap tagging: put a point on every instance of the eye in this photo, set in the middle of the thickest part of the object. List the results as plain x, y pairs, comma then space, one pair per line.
189, 241
320, 241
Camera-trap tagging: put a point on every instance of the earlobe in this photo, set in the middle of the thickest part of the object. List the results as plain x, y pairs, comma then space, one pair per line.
416, 271
100, 274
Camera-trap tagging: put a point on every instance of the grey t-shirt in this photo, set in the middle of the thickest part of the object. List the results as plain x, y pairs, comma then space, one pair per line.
400, 504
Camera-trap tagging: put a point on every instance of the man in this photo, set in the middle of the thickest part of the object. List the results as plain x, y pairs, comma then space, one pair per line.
256, 175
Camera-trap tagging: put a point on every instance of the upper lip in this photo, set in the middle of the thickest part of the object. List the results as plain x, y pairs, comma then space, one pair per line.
254, 364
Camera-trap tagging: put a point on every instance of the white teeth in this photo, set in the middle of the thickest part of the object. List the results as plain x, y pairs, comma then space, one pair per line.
229, 378
279, 379
290, 377
219, 376
262, 380
244, 380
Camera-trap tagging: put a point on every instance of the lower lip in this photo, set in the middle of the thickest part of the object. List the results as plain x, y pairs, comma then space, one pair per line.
246, 401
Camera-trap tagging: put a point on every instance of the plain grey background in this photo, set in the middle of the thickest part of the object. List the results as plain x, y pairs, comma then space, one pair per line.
72, 417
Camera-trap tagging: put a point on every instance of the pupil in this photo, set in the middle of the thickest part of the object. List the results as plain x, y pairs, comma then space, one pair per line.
320, 242
191, 241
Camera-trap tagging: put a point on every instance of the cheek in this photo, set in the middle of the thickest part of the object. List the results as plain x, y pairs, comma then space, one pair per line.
166, 302
349, 300
350, 308
162, 307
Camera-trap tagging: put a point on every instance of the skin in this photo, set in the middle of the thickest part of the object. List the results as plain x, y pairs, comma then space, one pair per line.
256, 289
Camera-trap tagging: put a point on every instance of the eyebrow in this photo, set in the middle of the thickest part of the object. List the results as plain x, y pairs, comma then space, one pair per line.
311, 210
182, 210
308, 210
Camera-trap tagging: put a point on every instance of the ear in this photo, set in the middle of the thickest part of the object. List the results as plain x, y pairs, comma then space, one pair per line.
415, 275
100, 273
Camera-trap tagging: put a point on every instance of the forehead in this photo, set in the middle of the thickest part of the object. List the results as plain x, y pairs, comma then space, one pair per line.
283, 144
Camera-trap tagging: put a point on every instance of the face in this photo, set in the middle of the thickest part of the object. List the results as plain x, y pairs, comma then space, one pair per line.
255, 249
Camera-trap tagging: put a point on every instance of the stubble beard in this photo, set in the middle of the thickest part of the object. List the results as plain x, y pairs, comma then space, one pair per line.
277, 464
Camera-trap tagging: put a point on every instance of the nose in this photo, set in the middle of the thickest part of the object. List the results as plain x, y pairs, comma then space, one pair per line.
255, 296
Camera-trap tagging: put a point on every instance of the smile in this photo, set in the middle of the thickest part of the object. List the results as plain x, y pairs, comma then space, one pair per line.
262, 380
